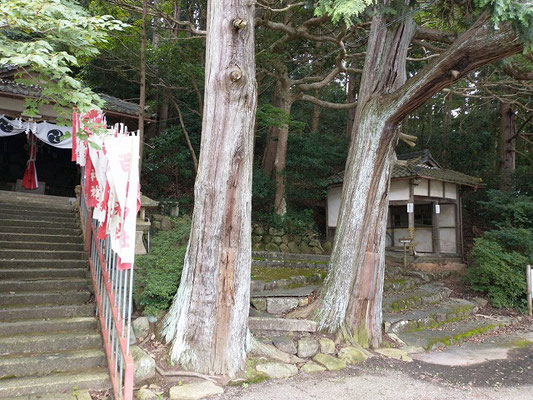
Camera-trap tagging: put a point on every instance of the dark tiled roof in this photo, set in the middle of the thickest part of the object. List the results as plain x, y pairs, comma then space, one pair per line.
112, 104
413, 165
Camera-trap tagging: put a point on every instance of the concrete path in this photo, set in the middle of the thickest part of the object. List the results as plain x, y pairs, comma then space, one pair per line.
497, 348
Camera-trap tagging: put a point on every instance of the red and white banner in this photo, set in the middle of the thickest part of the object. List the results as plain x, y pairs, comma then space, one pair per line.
111, 161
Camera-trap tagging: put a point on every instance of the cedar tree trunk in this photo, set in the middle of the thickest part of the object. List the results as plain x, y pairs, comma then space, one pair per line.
507, 146
286, 100
207, 322
352, 296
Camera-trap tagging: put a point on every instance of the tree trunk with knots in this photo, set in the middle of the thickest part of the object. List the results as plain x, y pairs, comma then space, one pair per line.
207, 322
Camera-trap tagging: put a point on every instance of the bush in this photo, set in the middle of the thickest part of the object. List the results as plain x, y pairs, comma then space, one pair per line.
158, 273
499, 273
500, 256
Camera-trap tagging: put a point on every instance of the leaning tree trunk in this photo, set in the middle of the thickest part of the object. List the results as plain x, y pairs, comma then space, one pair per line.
352, 298
507, 146
353, 288
207, 322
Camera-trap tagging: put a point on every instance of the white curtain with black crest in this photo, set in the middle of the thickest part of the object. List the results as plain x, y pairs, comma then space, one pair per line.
52, 134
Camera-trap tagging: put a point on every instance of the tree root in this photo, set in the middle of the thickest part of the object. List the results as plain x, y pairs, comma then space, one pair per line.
185, 373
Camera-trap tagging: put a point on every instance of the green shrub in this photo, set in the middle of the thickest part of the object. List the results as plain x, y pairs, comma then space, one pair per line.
158, 273
499, 273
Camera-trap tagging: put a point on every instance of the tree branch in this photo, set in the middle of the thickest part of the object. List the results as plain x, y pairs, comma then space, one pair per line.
326, 104
434, 35
478, 46
516, 73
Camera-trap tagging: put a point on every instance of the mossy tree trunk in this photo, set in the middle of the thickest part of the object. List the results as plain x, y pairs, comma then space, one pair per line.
351, 301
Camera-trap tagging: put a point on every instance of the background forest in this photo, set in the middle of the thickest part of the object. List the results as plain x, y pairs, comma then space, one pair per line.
307, 85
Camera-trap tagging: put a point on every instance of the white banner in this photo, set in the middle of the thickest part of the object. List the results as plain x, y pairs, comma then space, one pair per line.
47, 132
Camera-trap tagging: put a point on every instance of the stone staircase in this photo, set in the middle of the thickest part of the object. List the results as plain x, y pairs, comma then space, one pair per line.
418, 310
49, 338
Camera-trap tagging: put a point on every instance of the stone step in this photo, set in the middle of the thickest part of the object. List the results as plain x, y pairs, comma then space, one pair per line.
289, 264
448, 310
32, 326
97, 379
42, 273
43, 364
42, 285
34, 237
266, 255
51, 342
453, 332
35, 225
42, 230
302, 291
35, 200
429, 293
11, 314
28, 215
37, 263
278, 326
42, 254
35, 298
17, 245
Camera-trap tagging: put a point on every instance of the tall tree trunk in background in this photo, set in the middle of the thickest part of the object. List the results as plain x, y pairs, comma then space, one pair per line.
269, 155
286, 100
315, 119
163, 110
507, 146
142, 94
351, 301
351, 96
207, 322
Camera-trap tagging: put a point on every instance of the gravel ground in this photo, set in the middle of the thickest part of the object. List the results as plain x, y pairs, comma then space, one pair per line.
383, 379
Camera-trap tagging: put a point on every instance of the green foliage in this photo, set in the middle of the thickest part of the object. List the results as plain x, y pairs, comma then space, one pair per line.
498, 273
294, 222
519, 13
500, 256
507, 209
168, 170
158, 273
343, 9
48, 38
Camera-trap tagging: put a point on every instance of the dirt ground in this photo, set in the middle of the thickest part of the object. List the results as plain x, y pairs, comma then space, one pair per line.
384, 379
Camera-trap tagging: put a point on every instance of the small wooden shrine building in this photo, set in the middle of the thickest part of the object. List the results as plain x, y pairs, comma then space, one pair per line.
424, 205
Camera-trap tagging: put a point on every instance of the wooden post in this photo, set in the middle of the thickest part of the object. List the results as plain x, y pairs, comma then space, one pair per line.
458, 227
435, 231
529, 290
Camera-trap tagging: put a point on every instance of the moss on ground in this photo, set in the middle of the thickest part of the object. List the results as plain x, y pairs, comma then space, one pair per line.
275, 273
449, 340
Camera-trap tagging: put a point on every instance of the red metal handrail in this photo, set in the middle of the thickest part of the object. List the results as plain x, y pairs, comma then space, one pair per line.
113, 292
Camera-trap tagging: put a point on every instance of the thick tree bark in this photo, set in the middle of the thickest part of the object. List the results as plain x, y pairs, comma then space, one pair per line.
352, 297
286, 100
507, 146
207, 322
353, 289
